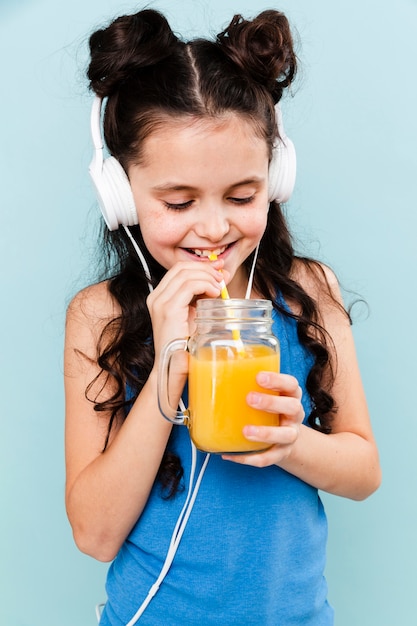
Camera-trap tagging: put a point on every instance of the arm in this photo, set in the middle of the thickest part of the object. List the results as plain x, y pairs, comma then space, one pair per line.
107, 491
345, 462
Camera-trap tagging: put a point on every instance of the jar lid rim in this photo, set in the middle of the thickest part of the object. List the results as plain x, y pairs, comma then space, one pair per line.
233, 303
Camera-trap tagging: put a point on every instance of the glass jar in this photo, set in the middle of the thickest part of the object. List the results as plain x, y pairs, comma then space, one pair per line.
233, 341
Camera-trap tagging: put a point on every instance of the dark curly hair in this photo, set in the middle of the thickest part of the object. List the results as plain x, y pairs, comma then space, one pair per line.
149, 75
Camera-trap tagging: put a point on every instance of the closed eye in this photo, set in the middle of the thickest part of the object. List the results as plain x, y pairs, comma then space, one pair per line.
246, 200
178, 206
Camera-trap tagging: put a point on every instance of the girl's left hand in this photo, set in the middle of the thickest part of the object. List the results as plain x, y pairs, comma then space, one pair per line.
291, 414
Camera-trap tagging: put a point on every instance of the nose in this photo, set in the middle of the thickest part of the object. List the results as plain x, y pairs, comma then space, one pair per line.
212, 223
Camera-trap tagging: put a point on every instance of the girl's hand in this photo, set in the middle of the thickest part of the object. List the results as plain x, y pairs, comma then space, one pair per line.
283, 437
170, 304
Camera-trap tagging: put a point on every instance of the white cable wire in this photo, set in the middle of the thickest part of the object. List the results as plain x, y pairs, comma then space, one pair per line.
99, 608
177, 534
141, 258
252, 272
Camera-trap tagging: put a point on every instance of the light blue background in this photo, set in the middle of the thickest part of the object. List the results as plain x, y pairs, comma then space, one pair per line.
354, 124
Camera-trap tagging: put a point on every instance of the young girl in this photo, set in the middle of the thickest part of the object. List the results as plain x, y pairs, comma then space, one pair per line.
199, 167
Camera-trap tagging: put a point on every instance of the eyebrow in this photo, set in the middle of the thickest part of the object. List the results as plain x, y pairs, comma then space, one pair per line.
173, 187
168, 186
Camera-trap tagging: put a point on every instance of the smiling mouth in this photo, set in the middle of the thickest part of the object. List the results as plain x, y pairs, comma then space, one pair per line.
206, 253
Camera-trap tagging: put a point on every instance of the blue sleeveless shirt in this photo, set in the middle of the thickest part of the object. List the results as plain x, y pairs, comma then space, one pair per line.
253, 550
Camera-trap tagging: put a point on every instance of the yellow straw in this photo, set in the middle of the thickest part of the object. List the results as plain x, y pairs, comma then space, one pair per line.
224, 293
225, 296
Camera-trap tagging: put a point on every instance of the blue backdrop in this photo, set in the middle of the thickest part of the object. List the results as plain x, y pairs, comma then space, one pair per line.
353, 121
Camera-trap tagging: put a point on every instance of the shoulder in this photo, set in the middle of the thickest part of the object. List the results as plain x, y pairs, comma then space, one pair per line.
94, 304
88, 314
315, 278
320, 282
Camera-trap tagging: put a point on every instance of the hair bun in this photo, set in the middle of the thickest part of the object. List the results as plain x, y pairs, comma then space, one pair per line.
127, 45
262, 47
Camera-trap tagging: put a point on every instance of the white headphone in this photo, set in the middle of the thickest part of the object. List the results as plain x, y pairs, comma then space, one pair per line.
115, 194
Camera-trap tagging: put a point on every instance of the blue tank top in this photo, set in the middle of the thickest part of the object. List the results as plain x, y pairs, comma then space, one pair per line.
253, 551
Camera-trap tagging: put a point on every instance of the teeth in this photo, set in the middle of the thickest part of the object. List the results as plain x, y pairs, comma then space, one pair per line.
207, 253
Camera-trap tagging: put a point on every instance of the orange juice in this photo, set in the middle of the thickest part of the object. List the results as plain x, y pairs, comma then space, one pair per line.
220, 377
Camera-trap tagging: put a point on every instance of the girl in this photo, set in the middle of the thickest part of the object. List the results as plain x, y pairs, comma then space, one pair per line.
195, 140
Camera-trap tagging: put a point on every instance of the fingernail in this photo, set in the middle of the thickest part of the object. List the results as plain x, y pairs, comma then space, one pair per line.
251, 431
263, 378
253, 398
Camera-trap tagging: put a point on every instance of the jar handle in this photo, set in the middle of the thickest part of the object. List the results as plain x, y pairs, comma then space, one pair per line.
169, 412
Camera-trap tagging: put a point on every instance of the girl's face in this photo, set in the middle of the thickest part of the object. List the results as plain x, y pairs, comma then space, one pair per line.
202, 187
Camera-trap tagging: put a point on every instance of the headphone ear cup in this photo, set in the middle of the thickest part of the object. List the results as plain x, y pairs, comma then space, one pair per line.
282, 171
114, 194
283, 165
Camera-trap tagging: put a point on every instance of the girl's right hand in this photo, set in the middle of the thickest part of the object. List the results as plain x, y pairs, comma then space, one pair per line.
171, 303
